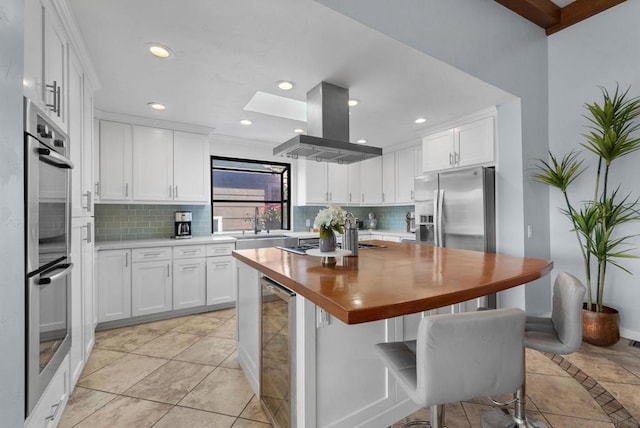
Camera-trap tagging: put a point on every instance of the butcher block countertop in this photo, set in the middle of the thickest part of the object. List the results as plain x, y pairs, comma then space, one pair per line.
399, 279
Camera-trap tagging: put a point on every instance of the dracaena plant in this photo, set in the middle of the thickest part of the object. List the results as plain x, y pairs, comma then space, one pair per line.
610, 136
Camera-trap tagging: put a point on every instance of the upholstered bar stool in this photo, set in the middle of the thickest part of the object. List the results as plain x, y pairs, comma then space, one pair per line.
559, 334
457, 357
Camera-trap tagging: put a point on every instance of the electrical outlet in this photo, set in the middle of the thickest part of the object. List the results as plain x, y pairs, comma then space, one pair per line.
323, 317
307, 222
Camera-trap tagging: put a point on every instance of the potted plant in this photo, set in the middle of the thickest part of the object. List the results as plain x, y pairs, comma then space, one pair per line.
329, 220
610, 136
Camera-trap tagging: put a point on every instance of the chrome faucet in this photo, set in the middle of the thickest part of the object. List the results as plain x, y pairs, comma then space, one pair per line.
255, 222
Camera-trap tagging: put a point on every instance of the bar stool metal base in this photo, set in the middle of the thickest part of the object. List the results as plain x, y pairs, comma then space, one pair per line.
420, 423
501, 418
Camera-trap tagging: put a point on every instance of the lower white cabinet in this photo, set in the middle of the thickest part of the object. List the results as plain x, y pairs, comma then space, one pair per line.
48, 411
151, 287
221, 274
248, 325
189, 282
114, 285
220, 280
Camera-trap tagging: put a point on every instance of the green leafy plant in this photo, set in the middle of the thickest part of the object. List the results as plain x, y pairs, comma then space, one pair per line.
610, 136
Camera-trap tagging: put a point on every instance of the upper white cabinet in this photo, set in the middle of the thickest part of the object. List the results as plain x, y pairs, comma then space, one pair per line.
322, 183
152, 164
468, 144
145, 164
191, 168
116, 142
355, 188
371, 181
46, 51
388, 178
408, 162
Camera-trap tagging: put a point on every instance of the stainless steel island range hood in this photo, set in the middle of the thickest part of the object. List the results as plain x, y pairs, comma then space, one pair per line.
327, 138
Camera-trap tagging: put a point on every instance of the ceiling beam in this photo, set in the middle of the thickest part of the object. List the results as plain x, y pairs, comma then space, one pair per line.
578, 11
553, 18
543, 13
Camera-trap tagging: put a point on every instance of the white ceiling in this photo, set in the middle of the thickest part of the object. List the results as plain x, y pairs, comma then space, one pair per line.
226, 51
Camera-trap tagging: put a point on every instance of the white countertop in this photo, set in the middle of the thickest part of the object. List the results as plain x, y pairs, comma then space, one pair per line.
221, 238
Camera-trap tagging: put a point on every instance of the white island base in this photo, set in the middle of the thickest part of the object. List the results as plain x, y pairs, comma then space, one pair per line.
340, 381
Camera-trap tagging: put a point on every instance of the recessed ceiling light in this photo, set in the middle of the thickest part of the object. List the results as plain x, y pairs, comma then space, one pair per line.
298, 130
361, 141
420, 120
159, 50
156, 106
353, 102
246, 122
285, 85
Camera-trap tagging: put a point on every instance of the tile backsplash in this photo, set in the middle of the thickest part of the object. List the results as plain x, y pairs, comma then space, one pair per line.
389, 218
119, 222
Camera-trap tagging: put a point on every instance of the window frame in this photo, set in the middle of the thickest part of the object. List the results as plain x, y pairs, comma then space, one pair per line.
282, 201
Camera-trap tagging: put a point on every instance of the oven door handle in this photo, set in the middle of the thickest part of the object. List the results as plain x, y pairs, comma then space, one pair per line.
49, 279
54, 158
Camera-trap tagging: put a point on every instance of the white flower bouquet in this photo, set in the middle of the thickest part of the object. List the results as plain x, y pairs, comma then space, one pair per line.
330, 219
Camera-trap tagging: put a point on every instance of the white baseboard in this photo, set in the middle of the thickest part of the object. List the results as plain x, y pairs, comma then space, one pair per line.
630, 334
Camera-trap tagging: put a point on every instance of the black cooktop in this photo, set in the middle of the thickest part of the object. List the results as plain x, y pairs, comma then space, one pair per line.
302, 248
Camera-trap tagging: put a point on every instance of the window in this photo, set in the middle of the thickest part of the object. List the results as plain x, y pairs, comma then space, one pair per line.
249, 193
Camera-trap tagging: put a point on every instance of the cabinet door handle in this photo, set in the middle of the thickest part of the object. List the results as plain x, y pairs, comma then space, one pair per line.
97, 188
87, 195
170, 191
189, 267
56, 408
330, 196
362, 198
456, 158
450, 159
413, 196
88, 238
221, 266
126, 190
58, 100
126, 259
152, 254
54, 91
168, 270
176, 192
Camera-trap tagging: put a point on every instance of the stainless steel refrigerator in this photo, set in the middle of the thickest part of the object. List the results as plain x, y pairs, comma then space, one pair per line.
456, 209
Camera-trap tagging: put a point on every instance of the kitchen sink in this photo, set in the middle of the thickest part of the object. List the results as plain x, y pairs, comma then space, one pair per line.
263, 241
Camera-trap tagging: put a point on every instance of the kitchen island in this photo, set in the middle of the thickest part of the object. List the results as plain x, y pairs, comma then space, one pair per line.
375, 297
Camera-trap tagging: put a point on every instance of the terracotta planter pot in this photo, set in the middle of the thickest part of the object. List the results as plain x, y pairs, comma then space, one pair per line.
600, 328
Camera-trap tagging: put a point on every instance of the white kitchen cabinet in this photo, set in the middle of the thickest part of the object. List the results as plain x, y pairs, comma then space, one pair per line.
144, 164
50, 407
152, 164
337, 183
408, 167
151, 281
80, 140
114, 285
476, 142
191, 168
34, 51
55, 67
189, 282
82, 316
355, 192
438, 151
371, 181
248, 324
221, 282
389, 178
468, 144
116, 142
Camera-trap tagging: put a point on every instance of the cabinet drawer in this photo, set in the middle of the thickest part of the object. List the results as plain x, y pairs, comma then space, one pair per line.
220, 249
49, 409
188, 251
150, 254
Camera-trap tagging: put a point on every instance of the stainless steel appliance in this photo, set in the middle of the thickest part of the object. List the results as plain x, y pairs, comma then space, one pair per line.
48, 266
182, 227
277, 353
456, 209
313, 244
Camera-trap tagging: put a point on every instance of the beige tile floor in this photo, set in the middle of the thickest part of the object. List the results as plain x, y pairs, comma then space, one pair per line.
183, 372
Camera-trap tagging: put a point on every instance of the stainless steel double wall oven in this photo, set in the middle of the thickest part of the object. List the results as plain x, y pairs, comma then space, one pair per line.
48, 265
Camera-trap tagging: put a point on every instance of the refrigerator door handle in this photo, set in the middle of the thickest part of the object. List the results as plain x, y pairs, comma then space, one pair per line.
438, 228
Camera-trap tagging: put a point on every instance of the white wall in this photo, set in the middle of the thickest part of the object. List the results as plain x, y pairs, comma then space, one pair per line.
487, 41
599, 51
12, 280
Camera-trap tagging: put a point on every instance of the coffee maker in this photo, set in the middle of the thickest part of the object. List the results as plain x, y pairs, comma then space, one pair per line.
182, 227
